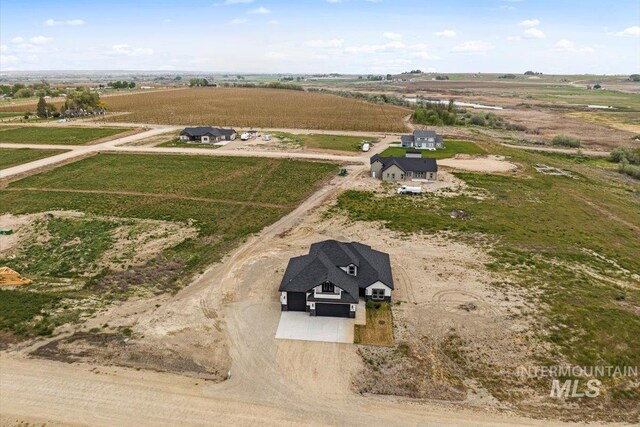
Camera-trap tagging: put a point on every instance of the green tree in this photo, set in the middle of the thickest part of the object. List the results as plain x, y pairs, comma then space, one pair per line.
132, 85
41, 108
84, 99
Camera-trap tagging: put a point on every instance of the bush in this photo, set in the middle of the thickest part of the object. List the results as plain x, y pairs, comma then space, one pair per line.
478, 120
628, 169
634, 77
507, 76
622, 154
566, 141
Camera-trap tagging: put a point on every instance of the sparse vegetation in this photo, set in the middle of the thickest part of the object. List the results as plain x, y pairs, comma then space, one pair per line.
324, 141
379, 327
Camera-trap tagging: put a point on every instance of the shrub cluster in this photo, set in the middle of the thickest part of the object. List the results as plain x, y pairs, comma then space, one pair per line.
628, 161
566, 141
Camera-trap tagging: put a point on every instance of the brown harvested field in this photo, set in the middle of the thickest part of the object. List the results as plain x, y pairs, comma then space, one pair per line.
266, 108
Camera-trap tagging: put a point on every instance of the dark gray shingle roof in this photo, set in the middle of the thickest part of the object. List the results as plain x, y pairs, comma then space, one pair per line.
424, 134
407, 164
207, 130
323, 263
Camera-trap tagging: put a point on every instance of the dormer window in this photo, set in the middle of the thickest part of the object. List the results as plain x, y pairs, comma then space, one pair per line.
328, 288
352, 270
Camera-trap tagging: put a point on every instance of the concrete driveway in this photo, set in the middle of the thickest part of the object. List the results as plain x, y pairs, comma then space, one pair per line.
298, 325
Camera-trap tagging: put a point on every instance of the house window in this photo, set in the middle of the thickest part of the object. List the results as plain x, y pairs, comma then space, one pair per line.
352, 270
328, 288
377, 294
393, 176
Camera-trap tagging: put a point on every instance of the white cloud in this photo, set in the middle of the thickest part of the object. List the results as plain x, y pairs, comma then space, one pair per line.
569, 46
17, 40
167, 21
529, 23
3, 48
391, 35
126, 50
71, 22
334, 1
230, 2
514, 38
628, 32
474, 47
260, 11
275, 55
9, 59
40, 40
534, 33
449, 34
325, 43
394, 45
238, 21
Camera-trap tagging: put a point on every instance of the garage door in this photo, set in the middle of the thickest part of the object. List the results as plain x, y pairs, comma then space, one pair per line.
333, 310
297, 301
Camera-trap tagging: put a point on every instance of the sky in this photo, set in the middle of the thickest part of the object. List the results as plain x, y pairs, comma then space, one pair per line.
322, 36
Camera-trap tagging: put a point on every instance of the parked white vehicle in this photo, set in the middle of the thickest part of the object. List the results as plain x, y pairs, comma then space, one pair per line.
405, 189
266, 137
245, 136
366, 147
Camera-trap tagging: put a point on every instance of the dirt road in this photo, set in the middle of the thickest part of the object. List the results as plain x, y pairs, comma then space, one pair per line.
595, 153
272, 382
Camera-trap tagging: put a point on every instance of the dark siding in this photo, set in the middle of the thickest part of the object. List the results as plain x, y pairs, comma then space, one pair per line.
297, 301
332, 310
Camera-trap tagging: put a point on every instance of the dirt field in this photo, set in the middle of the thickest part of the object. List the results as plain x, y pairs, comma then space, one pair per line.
257, 108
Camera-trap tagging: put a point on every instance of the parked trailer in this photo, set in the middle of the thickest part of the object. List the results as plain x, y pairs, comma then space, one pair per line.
405, 189
366, 147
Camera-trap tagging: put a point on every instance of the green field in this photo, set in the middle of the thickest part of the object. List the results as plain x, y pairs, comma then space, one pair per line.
7, 114
16, 156
55, 135
177, 143
325, 142
572, 244
451, 148
226, 199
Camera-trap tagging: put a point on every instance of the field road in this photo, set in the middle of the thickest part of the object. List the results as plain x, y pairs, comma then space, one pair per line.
74, 151
118, 145
594, 153
272, 382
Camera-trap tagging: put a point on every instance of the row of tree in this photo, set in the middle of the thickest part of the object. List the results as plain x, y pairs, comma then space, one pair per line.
79, 102
122, 84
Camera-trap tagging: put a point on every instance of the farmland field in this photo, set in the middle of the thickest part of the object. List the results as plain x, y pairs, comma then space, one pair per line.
56, 135
16, 156
270, 108
224, 199
452, 147
573, 245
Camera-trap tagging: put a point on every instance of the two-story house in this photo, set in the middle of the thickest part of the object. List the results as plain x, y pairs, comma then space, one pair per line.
330, 280
422, 140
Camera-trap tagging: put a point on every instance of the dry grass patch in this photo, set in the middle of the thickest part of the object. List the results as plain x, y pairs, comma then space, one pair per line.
379, 328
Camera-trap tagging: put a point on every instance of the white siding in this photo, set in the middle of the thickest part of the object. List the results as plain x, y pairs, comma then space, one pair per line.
378, 285
283, 298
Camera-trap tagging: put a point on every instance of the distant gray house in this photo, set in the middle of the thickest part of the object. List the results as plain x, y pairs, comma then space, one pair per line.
413, 166
207, 134
422, 140
330, 280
